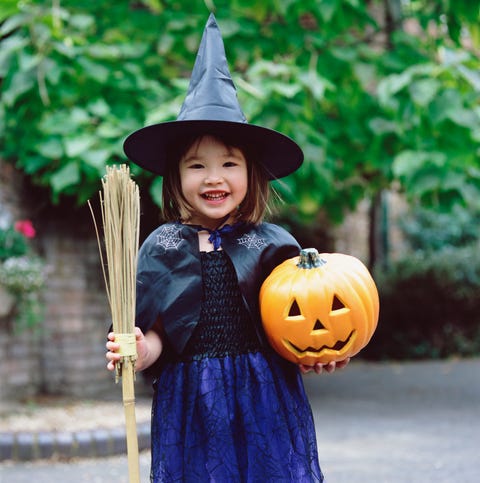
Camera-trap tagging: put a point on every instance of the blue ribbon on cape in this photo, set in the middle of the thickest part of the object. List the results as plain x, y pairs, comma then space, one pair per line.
215, 237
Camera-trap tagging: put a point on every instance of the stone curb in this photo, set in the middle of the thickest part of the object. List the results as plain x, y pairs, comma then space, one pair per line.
29, 446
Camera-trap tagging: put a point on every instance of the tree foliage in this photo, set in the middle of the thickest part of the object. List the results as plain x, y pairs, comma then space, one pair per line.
374, 92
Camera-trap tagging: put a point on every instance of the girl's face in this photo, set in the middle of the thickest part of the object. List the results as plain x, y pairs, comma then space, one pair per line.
214, 181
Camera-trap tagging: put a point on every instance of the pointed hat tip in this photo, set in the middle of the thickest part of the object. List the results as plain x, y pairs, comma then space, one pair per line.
211, 19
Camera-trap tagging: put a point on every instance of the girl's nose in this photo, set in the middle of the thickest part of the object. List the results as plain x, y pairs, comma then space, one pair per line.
214, 177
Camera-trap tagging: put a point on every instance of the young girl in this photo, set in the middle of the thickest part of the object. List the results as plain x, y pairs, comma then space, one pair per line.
226, 407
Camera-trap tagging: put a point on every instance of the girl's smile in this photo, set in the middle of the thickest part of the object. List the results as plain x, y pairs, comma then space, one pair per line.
214, 180
215, 196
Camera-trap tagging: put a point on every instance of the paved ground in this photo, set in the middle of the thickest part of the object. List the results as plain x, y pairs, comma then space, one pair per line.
376, 423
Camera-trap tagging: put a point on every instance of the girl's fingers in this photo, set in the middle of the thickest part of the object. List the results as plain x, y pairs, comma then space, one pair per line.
342, 364
112, 346
112, 356
319, 367
138, 333
304, 369
330, 367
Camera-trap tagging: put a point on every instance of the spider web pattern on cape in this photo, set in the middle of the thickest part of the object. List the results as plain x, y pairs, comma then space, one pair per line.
169, 238
251, 241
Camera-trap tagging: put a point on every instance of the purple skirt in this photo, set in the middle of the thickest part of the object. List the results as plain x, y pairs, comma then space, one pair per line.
241, 418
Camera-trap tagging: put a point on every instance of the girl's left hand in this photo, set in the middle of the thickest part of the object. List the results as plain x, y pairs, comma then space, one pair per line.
319, 368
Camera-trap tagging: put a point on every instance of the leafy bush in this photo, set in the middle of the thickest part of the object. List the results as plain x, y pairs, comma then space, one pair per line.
367, 101
429, 306
428, 229
12, 243
22, 273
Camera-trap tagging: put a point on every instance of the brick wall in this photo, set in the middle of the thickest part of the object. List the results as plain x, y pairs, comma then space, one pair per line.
77, 316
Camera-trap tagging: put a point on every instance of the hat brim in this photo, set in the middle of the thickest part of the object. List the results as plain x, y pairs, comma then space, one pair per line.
149, 147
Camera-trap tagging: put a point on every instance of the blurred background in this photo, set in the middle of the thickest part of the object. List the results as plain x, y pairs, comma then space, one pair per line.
382, 95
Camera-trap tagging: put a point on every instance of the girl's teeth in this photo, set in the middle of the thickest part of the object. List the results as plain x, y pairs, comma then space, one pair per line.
214, 196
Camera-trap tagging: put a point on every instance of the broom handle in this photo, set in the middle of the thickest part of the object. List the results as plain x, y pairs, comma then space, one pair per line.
128, 393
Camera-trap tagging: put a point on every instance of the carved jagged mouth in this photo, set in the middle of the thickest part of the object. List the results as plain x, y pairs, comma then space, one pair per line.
339, 345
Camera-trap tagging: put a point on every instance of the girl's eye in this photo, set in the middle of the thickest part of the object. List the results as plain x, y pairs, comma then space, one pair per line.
229, 164
196, 166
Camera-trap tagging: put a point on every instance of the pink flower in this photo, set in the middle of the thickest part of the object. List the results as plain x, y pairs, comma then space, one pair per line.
25, 227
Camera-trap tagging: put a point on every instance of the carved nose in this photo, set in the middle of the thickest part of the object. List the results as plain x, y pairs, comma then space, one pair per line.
318, 325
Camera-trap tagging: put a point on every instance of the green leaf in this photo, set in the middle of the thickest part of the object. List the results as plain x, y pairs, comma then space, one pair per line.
8, 47
423, 91
392, 84
380, 126
78, 116
68, 175
286, 90
316, 84
284, 5
27, 62
52, 71
77, 145
365, 73
82, 21
94, 70
328, 9
98, 107
50, 148
444, 104
56, 123
229, 27
107, 130
104, 51
33, 164
472, 76
427, 181
9, 21
464, 117
407, 162
165, 43
20, 83
96, 158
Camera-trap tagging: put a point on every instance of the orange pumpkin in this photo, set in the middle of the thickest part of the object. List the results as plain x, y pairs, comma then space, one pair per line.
319, 307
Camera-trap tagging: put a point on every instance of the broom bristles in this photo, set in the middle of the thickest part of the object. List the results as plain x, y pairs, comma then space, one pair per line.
120, 209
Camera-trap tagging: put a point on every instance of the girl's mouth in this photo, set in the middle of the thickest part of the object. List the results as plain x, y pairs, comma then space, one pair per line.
214, 195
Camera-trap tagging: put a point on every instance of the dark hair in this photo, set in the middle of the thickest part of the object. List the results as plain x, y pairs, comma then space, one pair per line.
252, 209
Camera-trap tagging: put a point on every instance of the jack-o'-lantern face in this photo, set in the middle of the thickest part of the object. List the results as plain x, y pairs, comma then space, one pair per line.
319, 311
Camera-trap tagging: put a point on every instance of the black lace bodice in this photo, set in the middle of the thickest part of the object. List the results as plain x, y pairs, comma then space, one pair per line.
225, 327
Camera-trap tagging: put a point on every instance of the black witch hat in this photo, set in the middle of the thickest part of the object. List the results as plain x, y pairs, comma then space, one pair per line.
211, 107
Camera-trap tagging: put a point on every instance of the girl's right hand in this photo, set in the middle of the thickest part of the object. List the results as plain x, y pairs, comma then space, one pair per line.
149, 348
112, 351
113, 347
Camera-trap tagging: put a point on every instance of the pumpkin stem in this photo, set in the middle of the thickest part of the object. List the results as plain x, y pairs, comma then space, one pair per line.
310, 258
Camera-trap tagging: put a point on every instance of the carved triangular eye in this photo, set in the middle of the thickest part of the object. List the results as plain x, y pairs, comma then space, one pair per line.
294, 309
337, 304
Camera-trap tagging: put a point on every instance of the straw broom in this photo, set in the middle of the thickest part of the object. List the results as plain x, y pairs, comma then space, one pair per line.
120, 207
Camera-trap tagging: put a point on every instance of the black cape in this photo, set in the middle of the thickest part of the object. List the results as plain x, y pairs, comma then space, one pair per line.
169, 280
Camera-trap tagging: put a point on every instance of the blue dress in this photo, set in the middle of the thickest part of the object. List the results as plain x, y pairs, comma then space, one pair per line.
227, 409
